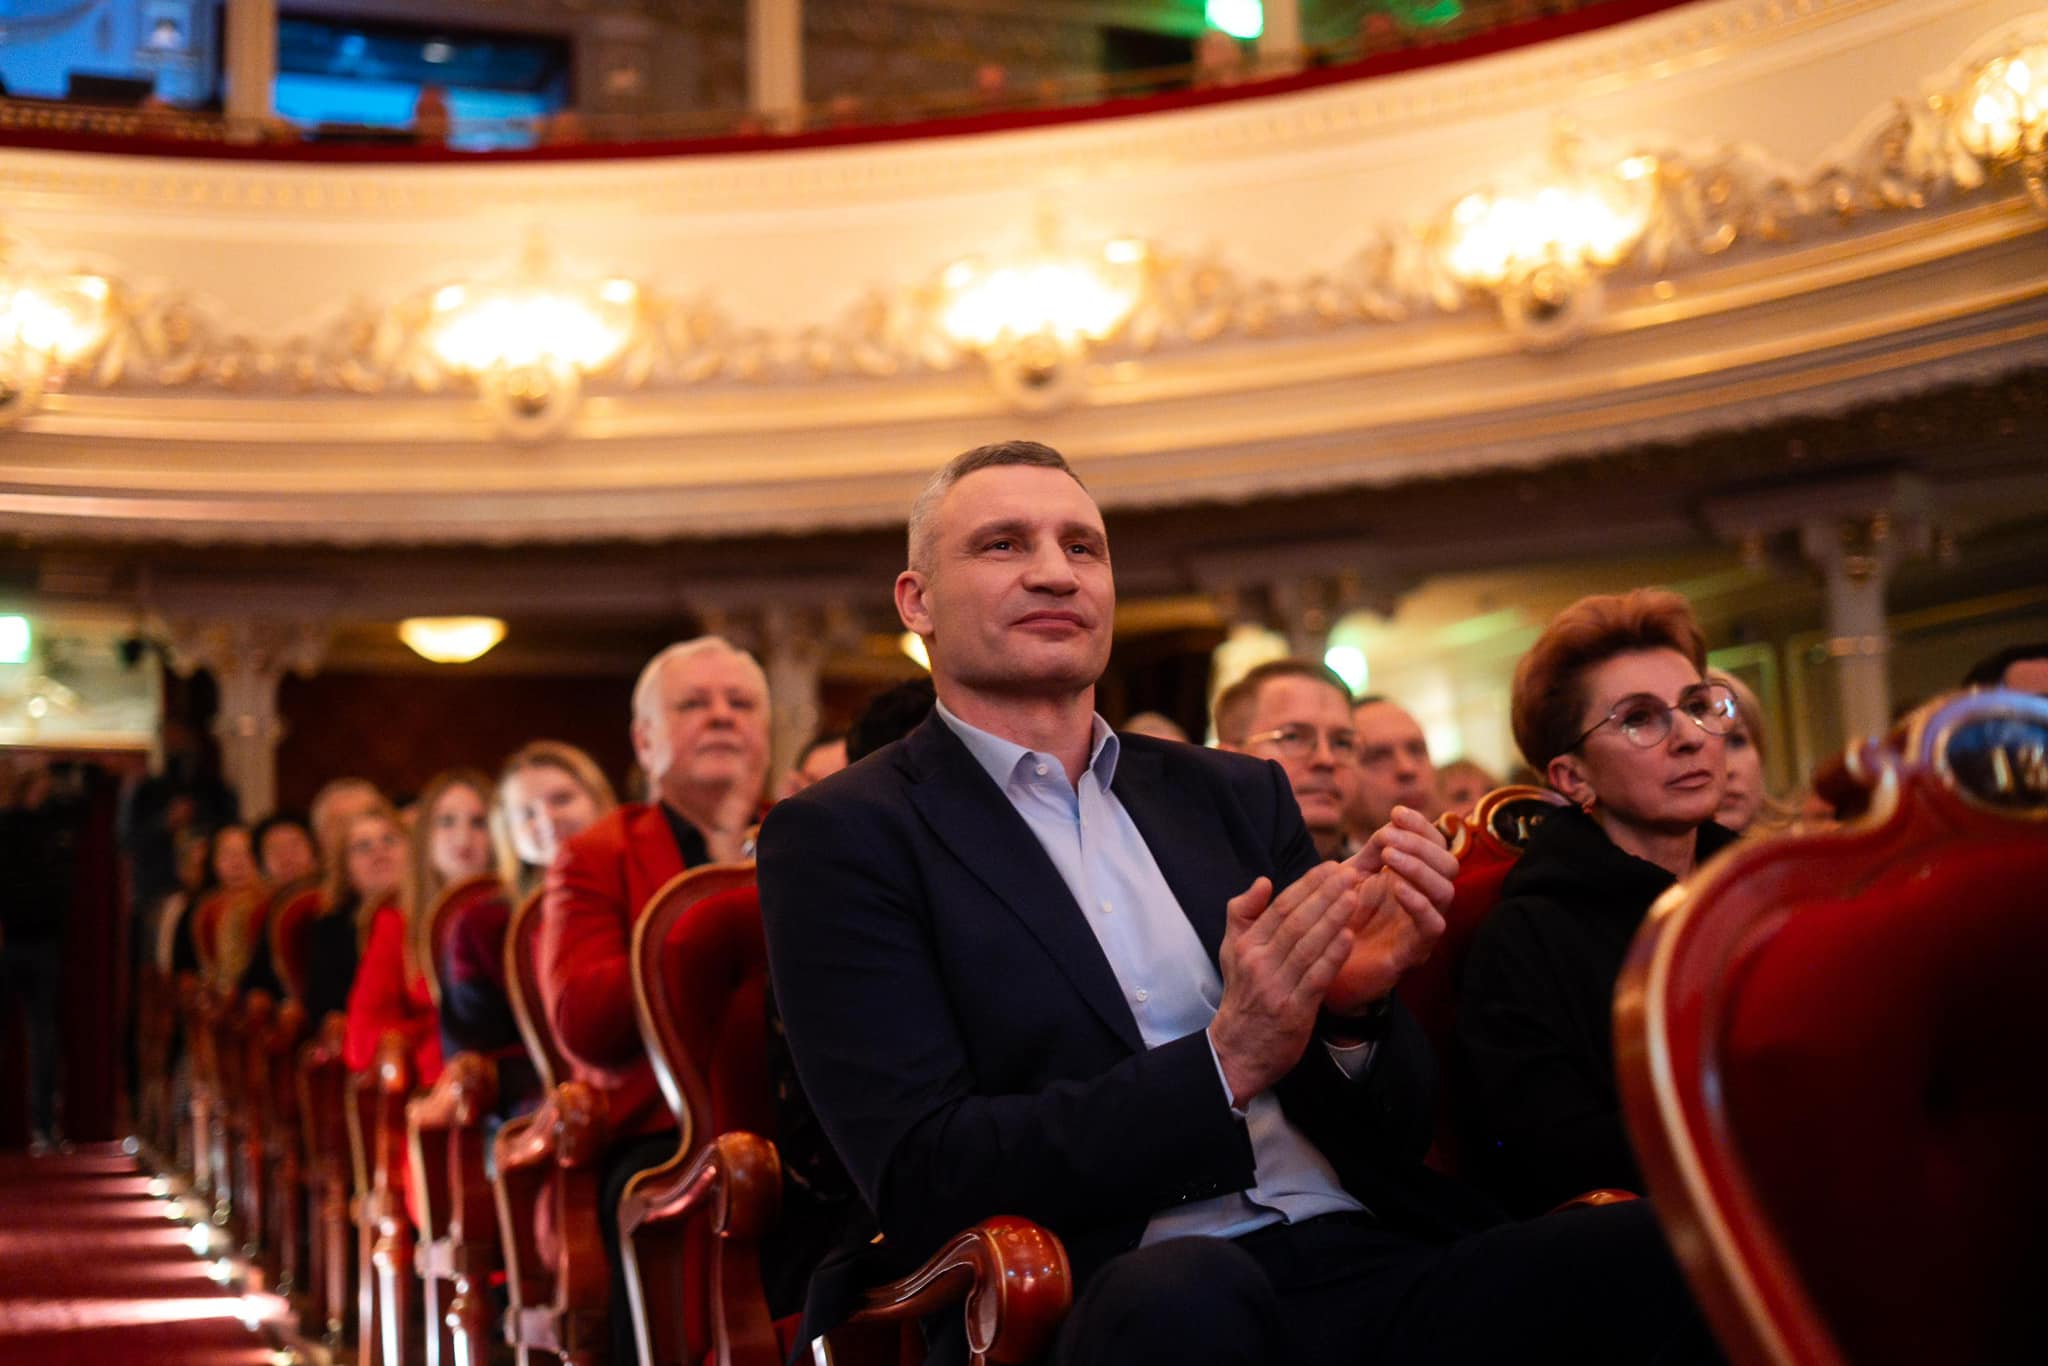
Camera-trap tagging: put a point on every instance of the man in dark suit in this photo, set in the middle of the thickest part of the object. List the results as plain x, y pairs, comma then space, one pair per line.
1028, 966
700, 733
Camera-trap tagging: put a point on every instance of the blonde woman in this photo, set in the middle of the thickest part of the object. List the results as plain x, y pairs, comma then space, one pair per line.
547, 792
1747, 804
450, 841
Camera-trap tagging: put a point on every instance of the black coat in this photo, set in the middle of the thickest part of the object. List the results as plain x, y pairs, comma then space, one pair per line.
1541, 1115
963, 1037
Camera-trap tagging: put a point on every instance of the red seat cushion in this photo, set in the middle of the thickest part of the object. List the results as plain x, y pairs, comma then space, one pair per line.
1883, 1070
715, 963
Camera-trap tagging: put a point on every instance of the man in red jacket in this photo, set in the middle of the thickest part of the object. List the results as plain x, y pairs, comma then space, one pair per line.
700, 733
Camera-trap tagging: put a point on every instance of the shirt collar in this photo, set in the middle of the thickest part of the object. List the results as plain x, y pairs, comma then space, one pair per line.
1000, 758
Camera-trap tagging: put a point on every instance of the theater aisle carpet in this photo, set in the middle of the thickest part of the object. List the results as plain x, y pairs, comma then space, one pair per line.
92, 1273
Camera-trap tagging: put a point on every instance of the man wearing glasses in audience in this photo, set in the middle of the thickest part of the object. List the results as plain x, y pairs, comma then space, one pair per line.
1299, 714
1030, 966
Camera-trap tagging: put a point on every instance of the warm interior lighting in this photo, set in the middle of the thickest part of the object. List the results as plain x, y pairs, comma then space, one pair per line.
1579, 220
62, 319
519, 328
1067, 296
1238, 18
15, 639
2004, 110
1348, 663
451, 640
913, 645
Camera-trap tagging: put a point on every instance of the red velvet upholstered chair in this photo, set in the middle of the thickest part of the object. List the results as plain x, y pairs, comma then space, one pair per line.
1827, 1053
556, 1277
1488, 843
458, 1227
292, 911
692, 1227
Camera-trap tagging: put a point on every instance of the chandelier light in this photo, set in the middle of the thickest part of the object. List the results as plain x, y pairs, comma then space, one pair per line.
451, 640
49, 323
530, 339
1540, 249
1034, 318
2001, 116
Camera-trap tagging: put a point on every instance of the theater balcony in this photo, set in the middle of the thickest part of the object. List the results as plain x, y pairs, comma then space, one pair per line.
1748, 296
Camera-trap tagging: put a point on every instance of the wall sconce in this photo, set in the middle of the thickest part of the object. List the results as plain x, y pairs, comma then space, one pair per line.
1541, 250
451, 640
1033, 320
49, 324
2001, 116
529, 340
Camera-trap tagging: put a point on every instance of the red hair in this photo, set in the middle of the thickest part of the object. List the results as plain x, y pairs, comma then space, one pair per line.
1549, 692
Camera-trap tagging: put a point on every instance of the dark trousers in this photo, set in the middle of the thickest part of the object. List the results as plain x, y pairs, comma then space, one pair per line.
620, 1166
34, 969
1584, 1286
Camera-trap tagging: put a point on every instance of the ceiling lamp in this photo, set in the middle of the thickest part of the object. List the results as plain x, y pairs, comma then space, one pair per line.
2001, 116
49, 323
1540, 249
451, 640
530, 339
1032, 319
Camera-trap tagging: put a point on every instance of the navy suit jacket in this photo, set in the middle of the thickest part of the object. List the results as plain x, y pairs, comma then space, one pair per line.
965, 1043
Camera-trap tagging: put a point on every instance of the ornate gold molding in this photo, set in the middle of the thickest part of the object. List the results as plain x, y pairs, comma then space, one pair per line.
1693, 204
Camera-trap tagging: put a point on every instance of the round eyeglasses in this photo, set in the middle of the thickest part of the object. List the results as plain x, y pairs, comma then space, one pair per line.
1299, 742
1646, 720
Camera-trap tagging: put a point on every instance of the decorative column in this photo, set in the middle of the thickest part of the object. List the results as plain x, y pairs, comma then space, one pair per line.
1279, 44
248, 659
1856, 558
775, 62
794, 646
251, 58
1854, 530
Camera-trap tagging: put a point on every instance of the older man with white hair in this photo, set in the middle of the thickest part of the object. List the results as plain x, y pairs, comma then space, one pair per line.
700, 733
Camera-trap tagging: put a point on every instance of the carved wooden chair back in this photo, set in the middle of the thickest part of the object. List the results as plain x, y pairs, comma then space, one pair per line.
700, 988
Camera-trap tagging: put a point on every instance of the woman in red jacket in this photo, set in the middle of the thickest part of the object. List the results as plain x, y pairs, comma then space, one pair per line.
384, 994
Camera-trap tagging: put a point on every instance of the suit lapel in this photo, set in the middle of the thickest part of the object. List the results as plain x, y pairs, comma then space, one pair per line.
970, 815
1191, 847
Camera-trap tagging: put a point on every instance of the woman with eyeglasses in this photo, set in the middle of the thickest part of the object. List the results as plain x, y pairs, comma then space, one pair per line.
1614, 706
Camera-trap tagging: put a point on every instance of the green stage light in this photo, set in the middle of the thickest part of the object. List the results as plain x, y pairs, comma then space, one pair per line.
1238, 18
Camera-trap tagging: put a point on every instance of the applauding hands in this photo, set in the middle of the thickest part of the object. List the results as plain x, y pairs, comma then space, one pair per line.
1338, 939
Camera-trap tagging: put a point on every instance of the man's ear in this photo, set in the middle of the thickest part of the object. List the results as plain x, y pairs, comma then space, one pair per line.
910, 603
1567, 773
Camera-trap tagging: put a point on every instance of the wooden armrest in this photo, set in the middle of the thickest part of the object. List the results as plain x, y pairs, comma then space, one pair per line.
466, 1093
737, 1180
1012, 1275
1606, 1195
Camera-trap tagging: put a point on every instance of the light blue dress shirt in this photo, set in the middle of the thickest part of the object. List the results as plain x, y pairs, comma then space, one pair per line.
1169, 982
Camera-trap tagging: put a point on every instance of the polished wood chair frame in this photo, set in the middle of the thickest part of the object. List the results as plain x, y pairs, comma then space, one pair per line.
1008, 1276
457, 1239
557, 1307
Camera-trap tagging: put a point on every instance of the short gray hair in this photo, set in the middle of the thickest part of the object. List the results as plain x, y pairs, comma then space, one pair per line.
644, 689
925, 510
